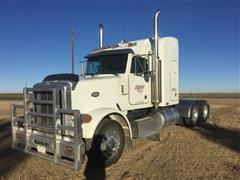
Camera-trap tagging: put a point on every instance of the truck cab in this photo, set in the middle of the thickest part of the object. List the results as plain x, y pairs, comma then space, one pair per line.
127, 90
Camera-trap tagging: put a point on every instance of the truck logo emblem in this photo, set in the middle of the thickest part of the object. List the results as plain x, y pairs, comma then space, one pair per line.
139, 88
95, 94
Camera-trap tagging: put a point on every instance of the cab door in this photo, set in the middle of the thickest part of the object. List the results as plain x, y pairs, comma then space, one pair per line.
139, 81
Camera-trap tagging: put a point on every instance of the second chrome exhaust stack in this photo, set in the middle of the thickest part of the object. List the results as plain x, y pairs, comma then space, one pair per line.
100, 35
156, 79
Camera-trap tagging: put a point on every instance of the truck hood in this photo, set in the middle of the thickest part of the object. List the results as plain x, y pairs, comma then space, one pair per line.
94, 92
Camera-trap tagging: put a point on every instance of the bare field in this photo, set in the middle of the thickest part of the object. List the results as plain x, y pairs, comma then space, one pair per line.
11, 96
5, 106
19, 96
210, 95
210, 151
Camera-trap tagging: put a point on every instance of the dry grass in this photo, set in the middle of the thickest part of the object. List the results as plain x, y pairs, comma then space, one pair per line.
19, 96
5, 106
210, 95
210, 151
11, 96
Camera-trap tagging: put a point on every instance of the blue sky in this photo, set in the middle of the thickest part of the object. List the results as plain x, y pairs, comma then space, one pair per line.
35, 38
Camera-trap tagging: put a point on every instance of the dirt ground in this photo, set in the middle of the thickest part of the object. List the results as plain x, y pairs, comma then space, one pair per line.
5, 107
210, 151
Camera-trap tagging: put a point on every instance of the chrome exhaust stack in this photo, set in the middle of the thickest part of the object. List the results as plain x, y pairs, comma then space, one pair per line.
156, 80
100, 35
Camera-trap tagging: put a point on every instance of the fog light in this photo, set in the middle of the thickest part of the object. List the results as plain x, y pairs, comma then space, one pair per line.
69, 148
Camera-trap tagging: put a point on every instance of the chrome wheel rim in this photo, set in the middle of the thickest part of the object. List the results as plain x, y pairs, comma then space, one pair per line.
110, 143
205, 111
195, 114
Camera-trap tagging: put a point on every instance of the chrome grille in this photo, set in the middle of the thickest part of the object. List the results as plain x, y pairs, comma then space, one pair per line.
40, 105
43, 105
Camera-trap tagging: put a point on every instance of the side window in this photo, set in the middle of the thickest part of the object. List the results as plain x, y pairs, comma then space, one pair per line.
93, 67
139, 65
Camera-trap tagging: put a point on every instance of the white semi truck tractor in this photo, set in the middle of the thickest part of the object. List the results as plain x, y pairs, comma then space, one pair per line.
127, 90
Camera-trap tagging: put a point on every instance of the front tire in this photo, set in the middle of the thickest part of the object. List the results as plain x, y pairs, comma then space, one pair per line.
108, 144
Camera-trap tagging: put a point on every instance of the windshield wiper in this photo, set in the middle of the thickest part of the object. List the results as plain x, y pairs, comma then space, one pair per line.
91, 74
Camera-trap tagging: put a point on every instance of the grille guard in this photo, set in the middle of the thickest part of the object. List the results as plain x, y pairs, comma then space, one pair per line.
61, 143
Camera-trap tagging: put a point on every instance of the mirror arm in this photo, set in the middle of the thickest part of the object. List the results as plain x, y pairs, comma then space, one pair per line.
82, 74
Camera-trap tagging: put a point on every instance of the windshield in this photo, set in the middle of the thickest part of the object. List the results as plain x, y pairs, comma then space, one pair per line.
107, 64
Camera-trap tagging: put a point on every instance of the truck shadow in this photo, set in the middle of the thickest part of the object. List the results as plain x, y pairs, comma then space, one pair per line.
229, 138
95, 167
9, 158
92, 171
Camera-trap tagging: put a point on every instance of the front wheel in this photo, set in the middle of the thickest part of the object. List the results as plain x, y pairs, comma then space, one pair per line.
108, 144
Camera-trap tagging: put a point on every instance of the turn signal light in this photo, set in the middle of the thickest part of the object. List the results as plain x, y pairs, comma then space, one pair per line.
87, 118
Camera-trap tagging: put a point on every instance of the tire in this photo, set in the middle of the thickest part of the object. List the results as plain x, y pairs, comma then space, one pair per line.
107, 145
194, 116
203, 112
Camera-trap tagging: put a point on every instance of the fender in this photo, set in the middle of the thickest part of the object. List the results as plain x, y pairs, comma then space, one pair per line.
98, 115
